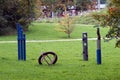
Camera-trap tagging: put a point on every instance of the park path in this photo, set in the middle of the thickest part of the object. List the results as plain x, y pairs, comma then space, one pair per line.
37, 41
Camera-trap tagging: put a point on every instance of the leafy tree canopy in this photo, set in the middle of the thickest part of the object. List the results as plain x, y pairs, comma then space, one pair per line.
111, 19
12, 11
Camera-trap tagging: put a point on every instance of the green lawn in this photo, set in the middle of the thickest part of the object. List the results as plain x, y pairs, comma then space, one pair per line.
43, 31
47, 31
70, 64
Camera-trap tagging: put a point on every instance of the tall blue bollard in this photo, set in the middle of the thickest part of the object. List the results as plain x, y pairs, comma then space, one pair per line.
98, 51
19, 32
85, 46
21, 43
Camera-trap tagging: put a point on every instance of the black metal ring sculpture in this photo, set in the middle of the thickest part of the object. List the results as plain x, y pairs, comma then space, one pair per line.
46, 57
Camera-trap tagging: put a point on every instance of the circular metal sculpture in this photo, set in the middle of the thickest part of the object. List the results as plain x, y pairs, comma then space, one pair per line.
47, 58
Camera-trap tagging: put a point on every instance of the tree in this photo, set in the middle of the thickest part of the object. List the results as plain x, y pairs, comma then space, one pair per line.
111, 19
13, 11
66, 25
49, 7
62, 5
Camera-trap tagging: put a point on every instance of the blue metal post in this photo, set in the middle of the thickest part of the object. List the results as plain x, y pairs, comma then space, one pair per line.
24, 47
85, 46
98, 51
21, 43
21, 47
19, 40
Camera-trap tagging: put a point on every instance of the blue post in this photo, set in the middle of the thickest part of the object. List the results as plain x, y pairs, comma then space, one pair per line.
21, 43
19, 40
98, 51
24, 47
85, 46
98, 56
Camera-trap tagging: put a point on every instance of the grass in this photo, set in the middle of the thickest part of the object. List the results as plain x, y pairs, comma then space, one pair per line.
43, 31
70, 64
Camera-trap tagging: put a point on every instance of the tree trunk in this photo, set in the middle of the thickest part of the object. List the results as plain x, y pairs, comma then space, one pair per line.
69, 36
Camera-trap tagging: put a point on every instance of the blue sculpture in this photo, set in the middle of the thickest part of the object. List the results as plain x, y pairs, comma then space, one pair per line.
21, 43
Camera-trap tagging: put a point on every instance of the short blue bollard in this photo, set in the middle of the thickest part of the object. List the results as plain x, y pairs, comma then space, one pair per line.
24, 47
98, 56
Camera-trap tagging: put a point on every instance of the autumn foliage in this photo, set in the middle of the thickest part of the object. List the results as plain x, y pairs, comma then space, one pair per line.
66, 24
111, 19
